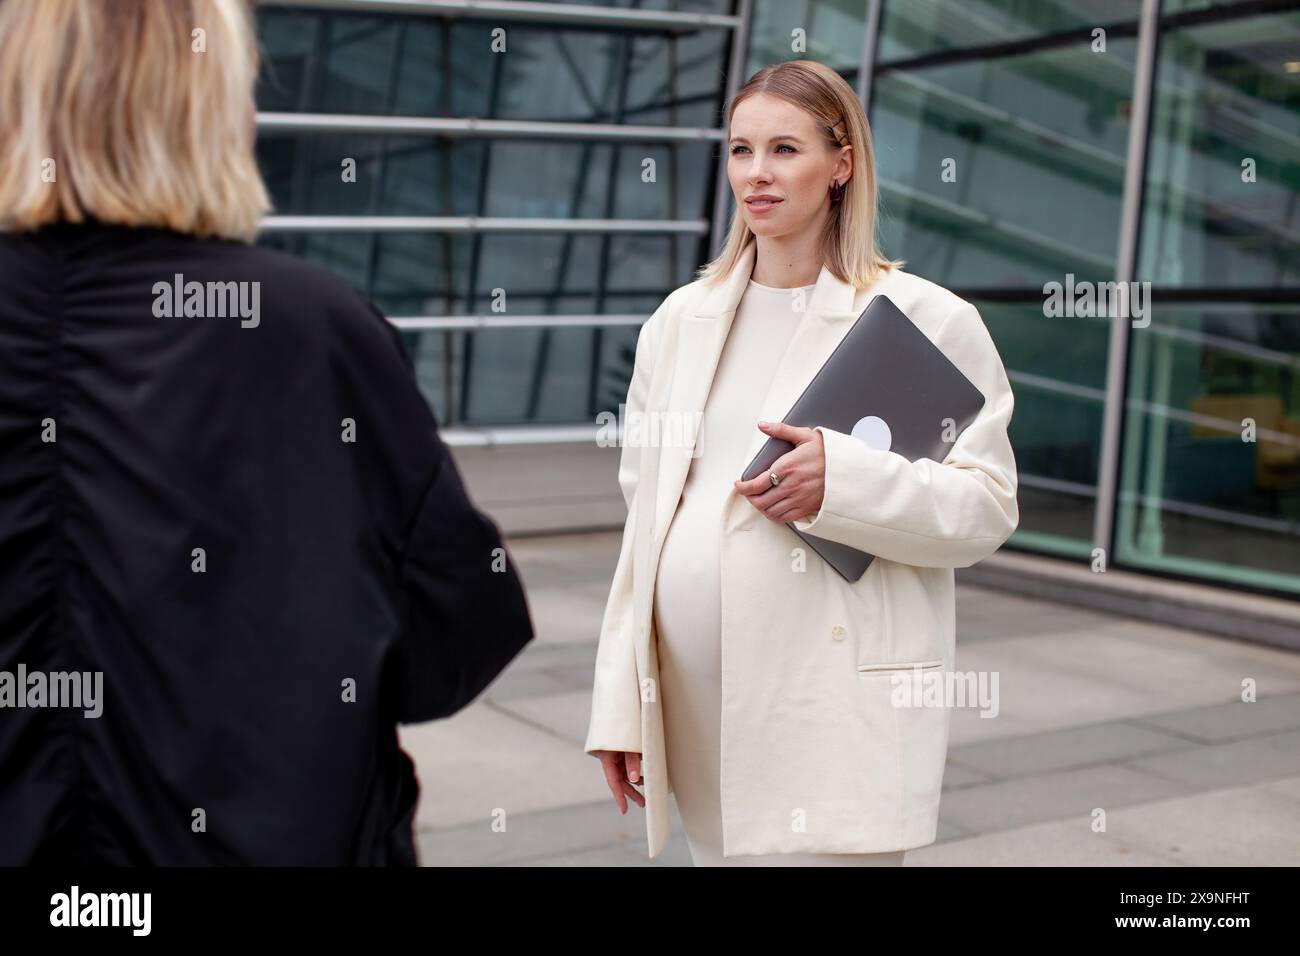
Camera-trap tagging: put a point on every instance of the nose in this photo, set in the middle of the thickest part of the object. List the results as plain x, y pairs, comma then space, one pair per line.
756, 172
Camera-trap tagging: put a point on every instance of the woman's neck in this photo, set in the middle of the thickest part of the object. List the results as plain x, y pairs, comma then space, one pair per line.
786, 263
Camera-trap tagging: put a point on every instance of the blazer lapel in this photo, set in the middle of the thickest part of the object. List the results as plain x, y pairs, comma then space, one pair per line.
701, 337
831, 311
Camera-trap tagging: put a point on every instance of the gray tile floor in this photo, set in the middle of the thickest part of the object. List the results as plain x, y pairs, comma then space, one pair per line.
1117, 743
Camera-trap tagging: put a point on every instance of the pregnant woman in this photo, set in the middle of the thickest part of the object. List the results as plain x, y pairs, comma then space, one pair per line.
736, 669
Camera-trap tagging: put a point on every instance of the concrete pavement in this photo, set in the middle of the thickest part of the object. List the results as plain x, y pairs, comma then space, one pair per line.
1098, 712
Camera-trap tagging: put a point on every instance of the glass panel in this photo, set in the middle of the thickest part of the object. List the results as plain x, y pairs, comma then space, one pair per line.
510, 372
1190, 6
1223, 190
359, 57
1211, 468
682, 6
421, 273
918, 27
344, 62
832, 34
286, 45
1005, 172
349, 62
1057, 369
1001, 157
525, 375
516, 375
436, 176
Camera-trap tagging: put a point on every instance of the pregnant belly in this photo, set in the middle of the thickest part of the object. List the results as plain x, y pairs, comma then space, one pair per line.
688, 593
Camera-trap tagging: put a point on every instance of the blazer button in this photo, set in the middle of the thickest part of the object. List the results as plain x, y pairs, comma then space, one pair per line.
837, 632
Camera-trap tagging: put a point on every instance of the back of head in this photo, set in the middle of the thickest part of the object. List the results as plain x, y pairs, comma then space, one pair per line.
131, 112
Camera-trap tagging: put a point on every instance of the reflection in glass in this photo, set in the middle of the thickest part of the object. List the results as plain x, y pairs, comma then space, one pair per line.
1223, 187
1211, 464
828, 31
1005, 173
339, 61
920, 27
1057, 369
345, 62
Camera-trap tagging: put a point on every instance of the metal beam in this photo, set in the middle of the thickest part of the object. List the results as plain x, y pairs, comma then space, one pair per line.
474, 127
521, 12
477, 224
464, 435
500, 321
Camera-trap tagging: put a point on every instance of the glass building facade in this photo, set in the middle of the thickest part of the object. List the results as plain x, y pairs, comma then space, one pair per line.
520, 185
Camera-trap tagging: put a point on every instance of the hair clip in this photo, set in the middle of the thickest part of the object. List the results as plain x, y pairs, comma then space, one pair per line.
836, 136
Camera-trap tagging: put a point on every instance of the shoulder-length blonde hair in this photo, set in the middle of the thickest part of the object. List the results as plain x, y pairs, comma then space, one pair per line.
122, 111
849, 246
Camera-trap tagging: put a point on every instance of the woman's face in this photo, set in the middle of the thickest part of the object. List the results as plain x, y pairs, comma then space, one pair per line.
777, 150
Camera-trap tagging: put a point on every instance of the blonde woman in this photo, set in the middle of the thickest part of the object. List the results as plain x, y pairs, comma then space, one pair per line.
226, 516
734, 670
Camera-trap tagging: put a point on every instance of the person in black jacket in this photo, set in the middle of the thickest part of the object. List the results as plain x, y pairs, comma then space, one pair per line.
234, 552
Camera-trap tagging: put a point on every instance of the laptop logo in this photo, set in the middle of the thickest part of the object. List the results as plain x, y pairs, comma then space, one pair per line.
873, 432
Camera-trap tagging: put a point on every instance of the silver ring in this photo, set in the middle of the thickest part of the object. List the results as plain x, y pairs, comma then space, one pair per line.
773, 478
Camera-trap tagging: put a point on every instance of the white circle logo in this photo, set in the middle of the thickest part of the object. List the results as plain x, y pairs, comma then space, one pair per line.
874, 432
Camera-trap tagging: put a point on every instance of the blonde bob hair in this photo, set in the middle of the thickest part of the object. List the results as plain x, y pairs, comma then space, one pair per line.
131, 112
849, 248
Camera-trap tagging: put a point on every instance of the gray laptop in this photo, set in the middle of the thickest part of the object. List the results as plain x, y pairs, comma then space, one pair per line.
887, 384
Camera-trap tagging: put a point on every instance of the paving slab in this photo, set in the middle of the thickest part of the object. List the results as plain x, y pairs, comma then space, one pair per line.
1095, 710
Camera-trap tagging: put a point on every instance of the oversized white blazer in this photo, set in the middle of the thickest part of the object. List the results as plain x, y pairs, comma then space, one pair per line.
815, 757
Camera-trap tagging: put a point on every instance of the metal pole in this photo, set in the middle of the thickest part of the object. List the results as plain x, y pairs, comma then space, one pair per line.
722, 188
1125, 271
867, 64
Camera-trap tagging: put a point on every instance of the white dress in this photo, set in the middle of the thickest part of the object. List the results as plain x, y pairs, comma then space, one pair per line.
687, 602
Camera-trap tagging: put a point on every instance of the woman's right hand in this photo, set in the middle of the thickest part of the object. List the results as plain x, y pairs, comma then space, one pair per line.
621, 771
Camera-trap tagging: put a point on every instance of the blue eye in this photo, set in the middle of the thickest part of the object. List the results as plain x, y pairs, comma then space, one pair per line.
738, 148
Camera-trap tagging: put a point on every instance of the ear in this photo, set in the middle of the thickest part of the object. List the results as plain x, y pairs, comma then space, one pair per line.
844, 165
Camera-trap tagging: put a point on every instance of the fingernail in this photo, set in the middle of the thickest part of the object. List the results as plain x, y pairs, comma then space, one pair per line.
762, 424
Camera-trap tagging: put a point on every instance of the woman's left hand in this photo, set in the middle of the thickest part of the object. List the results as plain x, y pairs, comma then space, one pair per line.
802, 473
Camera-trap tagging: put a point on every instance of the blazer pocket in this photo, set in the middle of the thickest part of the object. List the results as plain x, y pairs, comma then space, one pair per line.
898, 666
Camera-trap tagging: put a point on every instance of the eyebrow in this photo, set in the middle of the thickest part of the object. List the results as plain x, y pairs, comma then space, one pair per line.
790, 136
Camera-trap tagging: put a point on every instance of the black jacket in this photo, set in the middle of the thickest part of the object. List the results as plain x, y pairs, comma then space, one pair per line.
181, 513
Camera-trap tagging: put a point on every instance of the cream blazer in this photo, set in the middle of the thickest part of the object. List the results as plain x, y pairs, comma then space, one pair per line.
815, 755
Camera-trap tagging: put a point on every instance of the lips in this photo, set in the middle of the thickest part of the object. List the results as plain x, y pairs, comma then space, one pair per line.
762, 202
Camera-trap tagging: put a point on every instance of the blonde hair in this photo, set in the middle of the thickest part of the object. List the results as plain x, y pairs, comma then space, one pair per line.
848, 245
141, 129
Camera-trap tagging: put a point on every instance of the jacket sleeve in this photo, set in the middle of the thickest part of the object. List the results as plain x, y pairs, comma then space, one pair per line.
457, 598
925, 513
463, 611
616, 695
